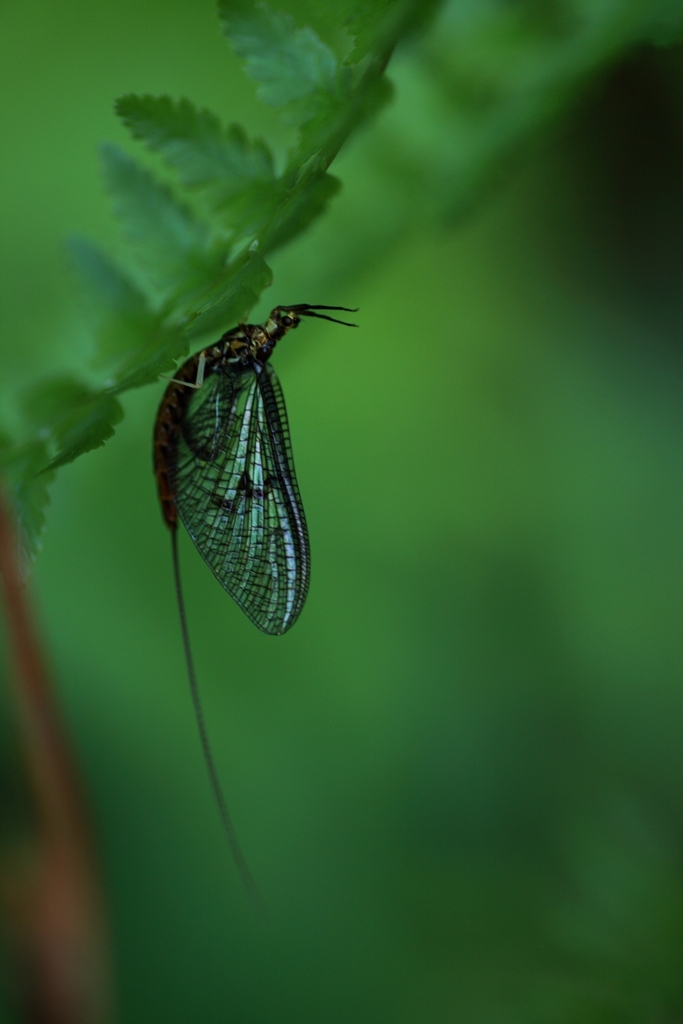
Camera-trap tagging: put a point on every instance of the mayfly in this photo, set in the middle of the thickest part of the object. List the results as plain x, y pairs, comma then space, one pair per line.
223, 464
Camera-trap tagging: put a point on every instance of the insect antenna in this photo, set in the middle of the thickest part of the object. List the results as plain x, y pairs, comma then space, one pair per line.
343, 309
333, 320
304, 309
235, 847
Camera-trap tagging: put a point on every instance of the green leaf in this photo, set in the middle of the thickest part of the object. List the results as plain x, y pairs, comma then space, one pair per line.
295, 69
229, 300
46, 404
326, 134
295, 215
172, 247
183, 286
236, 177
27, 482
119, 314
380, 24
196, 145
70, 417
131, 341
363, 21
106, 286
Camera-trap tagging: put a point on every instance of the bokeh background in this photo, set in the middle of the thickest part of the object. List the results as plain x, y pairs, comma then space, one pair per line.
459, 779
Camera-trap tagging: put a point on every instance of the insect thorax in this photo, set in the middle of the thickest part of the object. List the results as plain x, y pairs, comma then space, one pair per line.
250, 342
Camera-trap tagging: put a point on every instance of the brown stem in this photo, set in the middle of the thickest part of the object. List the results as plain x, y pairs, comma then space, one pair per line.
56, 908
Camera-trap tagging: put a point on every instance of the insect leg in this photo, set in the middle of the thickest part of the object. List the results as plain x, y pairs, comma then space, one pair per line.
199, 380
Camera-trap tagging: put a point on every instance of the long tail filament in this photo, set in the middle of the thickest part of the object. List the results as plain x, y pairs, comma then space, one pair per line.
235, 847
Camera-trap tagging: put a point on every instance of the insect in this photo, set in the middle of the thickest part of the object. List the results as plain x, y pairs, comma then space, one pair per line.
224, 467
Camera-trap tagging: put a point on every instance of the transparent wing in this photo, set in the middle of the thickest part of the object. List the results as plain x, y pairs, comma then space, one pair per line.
233, 479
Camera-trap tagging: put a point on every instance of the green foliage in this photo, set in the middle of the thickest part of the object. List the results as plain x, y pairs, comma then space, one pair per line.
71, 416
27, 481
197, 248
378, 24
295, 69
458, 780
172, 247
192, 272
230, 298
129, 340
235, 178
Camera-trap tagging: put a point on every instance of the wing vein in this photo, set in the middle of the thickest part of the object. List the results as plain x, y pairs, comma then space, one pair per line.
232, 476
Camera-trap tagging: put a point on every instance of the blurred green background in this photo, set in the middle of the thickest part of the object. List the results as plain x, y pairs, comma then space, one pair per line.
459, 779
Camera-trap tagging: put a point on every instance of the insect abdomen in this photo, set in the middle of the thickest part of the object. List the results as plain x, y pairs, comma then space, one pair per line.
166, 431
